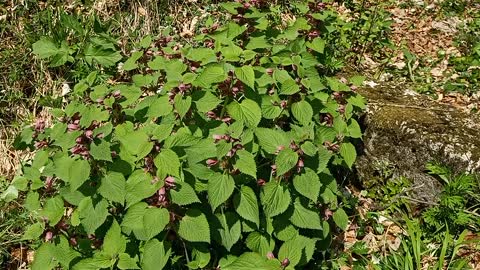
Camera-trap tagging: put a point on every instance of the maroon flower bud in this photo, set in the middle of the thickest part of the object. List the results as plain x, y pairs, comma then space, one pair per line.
293, 146
271, 91
39, 125
73, 241
170, 181
261, 182
269, 71
246, 5
211, 115
117, 94
48, 183
327, 214
114, 154
226, 137
48, 236
283, 104
72, 127
270, 255
300, 163
238, 146
193, 69
232, 152
99, 100
314, 34
285, 262
212, 162
217, 137
41, 144
226, 119
182, 87
89, 134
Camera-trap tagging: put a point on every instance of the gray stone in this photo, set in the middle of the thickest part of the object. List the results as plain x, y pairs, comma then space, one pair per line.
405, 130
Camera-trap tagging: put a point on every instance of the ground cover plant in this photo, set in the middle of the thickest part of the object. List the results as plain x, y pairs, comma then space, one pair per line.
223, 125
216, 154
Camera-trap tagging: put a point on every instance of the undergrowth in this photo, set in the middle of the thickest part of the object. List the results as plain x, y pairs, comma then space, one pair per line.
214, 154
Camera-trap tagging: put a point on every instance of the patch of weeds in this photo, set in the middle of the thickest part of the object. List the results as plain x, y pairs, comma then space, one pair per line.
454, 7
13, 220
455, 210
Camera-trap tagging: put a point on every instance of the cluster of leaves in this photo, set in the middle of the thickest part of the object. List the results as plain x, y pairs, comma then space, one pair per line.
459, 194
79, 41
467, 65
216, 154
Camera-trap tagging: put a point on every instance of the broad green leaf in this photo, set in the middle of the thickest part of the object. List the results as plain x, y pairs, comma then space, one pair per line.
246, 75
10, 194
291, 250
98, 261
200, 256
167, 163
305, 218
308, 184
131, 64
154, 221
101, 151
74, 172
210, 75
205, 101
271, 140
92, 217
303, 112
103, 56
139, 186
348, 152
182, 105
230, 231
289, 87
275, 199
251, 260
126, 262
183, 194
286, 160
34, 231
53, 210
160, 107
341, 218
246, 163
113, 188
114, 242
135, 142
260, 243
246, 204
270, 107
194, 227
247, 111
257, 43
155, 255
45, 48
44, 257
317, 45
220, 187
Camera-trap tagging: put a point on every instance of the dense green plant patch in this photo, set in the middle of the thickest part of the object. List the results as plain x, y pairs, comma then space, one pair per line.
215, 154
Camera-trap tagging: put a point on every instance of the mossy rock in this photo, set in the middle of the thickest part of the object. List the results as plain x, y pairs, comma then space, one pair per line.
405, 130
